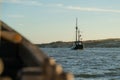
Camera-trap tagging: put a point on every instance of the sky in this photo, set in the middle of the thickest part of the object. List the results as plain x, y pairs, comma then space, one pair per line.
44, 21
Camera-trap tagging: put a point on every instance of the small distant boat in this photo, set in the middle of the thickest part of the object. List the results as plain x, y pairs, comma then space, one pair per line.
78, 44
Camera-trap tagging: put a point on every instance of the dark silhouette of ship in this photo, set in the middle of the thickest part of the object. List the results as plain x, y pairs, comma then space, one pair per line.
78, 44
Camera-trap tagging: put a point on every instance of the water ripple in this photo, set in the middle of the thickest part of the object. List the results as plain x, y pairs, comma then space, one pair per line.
90, 63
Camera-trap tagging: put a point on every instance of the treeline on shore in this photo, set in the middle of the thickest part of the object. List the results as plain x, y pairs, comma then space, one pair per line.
104, 43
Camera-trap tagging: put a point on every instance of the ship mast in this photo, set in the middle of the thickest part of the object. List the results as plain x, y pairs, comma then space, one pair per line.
79, 35
76, 31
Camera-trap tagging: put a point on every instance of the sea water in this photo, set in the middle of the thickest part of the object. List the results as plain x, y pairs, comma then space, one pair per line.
90, 63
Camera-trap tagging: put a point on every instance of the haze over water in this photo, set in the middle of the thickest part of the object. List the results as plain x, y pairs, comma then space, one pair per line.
90, 63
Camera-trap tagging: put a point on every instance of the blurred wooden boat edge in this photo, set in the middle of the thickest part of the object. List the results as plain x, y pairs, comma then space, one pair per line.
22, 59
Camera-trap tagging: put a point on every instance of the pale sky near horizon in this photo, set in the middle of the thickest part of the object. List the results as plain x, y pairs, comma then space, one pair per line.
44, 21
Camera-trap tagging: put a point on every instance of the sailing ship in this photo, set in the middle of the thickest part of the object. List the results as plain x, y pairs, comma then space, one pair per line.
78, 44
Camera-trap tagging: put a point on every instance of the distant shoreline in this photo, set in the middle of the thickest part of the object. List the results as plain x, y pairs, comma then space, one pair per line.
103, 43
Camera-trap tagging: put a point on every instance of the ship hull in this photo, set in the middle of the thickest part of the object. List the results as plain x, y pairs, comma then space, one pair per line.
77, 47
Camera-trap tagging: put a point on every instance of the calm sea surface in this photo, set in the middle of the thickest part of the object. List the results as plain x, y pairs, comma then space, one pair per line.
90, 63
